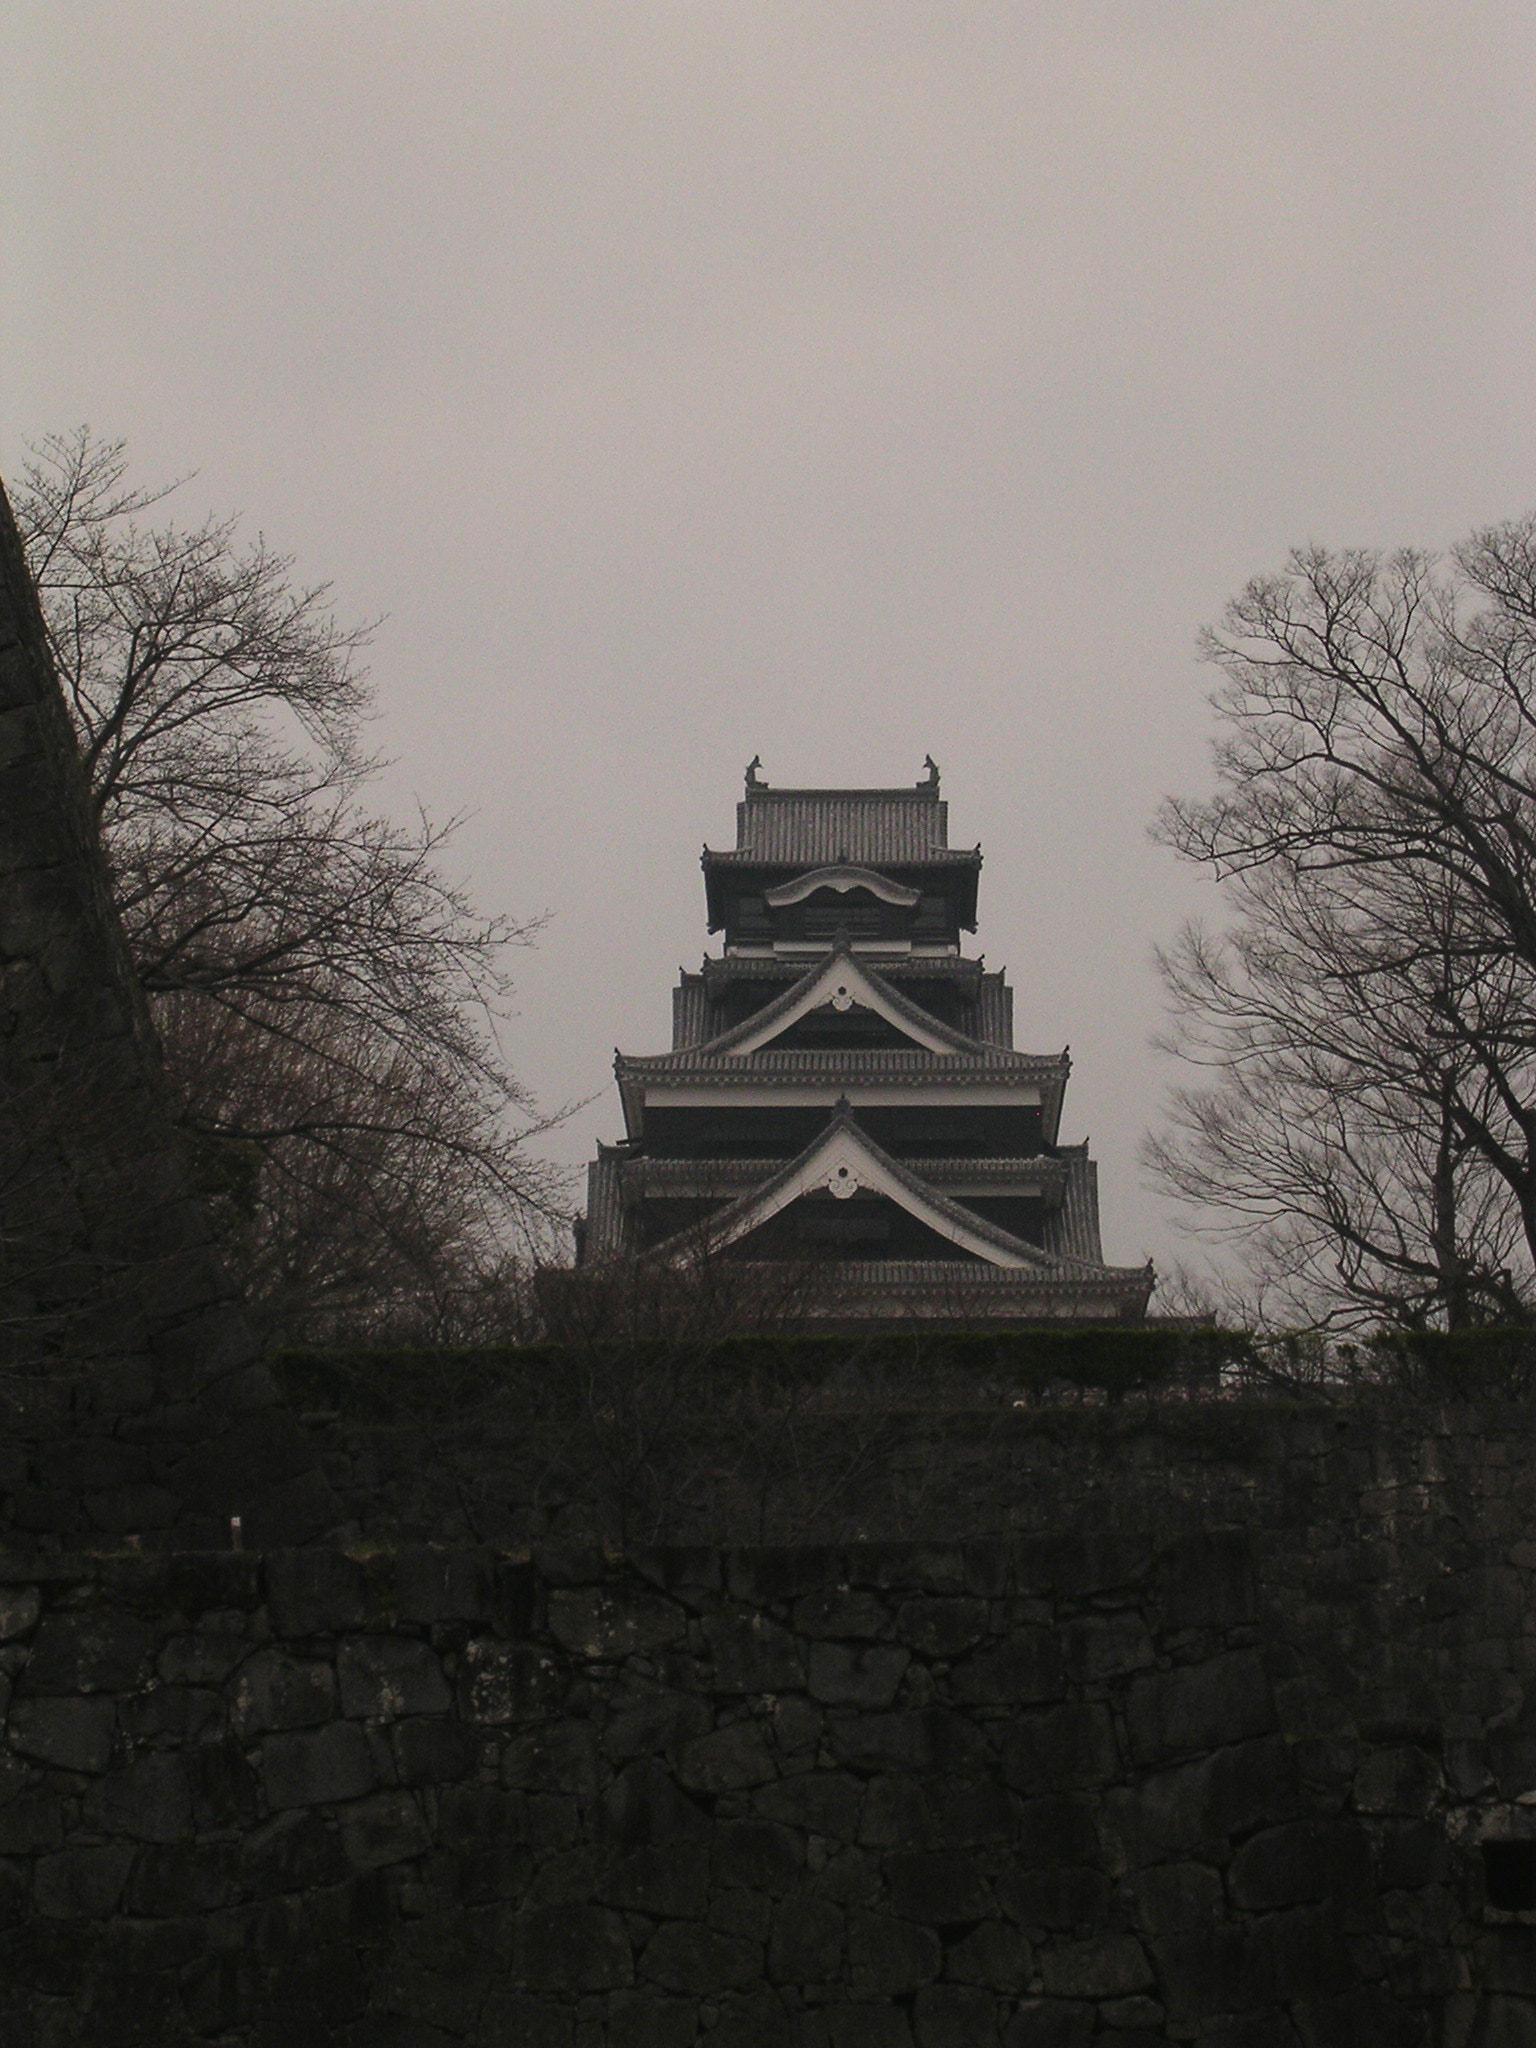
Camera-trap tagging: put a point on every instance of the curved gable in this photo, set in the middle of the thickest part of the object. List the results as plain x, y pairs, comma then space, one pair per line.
845, 1162
843, 880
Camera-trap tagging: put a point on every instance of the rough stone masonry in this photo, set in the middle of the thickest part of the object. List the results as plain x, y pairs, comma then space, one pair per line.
1058, 1790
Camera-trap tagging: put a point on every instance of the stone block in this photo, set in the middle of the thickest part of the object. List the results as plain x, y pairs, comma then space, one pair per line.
131, 1508
1298, 1863
177, 1710
470, 1815
383, 1678
385, 1828
954, 2016
896, 1814
1233, 1792
994, 1955
662, 1722
1235, 1967
1512, 1760
668, 1884
1108, 1966
31, 1822
315, 1592
183, 1879
1049, 2023
753, 2019
756, 1856
516, 1596
223, 1785
434, 1752
869, 2025
827, 1803
1025, 1670
752, 1654
275, 1691
296, 1852
841, 1612
1370, 2017
1066, 1747
76, 1735
1060, 1827
1173, 1897
19, 1609
1500, 2023
1411, 1854
206, 1657
443, 1585
571, 1948
501, 1682
688, 1571
1397, 1781
652, 2022
98, 1651
682, 1956
645, 1806
940, 1888
83, 1884
891, 1956
319, 1769
149, 1799
557, 1756
762, 1575
942, 1628
1101, 1646
1198, 1707
729, 1760
1063, 1897
1080, 1564
839, 1675
883, 1742
609, 1624
806, 1944
1206, 1581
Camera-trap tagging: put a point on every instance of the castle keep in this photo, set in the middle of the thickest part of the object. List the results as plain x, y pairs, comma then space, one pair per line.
843, 1086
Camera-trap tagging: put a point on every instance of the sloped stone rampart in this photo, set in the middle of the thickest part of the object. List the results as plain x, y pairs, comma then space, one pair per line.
1059, 1789
132, 1390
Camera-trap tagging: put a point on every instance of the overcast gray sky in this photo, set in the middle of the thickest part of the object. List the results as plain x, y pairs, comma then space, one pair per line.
832, 382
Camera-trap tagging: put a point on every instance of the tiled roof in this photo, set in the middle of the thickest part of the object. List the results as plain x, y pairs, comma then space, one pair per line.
1074, 1228
720, 970
902, 1291
994, 1011
981, 1064
868, 825
607, 1231
692, 1012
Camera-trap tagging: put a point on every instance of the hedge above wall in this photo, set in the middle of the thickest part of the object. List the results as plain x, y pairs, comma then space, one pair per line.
1028, 1364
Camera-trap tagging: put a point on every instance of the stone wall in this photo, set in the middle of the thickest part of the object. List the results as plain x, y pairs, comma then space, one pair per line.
1228, 1788
131, 1381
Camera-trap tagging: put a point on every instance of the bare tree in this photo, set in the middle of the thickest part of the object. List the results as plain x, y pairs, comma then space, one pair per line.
326, 999
1368, 1022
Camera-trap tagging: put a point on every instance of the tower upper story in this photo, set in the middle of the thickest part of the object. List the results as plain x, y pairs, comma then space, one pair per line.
873, 864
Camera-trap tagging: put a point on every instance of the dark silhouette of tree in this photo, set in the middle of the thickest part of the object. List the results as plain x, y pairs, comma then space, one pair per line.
1368, 1021
327, 1001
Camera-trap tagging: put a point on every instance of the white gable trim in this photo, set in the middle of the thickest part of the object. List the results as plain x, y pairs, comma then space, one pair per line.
843, 879
844, 984
843, 1164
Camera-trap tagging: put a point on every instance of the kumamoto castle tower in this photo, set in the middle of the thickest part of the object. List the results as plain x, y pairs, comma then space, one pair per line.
843, 1087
